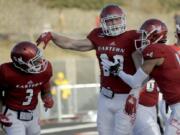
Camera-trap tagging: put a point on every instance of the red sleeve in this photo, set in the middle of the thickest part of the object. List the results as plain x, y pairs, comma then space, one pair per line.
46, 86
175, 47
2, 78
2, 83
50, 70
153, 52
93, 35
48, 73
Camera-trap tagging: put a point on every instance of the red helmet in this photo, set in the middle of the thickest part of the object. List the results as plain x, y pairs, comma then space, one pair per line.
111, 12
151, 31
27, 57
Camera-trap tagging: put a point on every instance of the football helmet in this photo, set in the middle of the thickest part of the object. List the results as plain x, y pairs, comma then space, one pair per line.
151, 31
110, 13
27, 57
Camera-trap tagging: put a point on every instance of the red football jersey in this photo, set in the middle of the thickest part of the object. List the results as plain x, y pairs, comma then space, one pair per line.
22, 89
113, 49
176, 48
166, 75
149, 94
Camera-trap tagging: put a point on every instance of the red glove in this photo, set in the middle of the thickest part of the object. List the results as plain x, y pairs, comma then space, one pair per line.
44, 37
5, 120
130, 106
48, 101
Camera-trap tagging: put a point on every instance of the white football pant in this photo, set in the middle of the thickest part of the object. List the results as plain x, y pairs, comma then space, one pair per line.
111, 119
173, 124
23, 127
146, 121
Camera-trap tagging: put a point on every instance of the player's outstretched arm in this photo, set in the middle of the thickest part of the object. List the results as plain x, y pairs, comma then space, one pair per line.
65, 42
137, 59
136, 80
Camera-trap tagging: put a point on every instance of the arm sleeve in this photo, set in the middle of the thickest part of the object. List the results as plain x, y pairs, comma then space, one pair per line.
2, 79
93, 36
153, 52
45, 88
134, 81
2, 87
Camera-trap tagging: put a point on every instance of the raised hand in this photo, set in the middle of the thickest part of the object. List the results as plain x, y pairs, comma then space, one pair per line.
45, 38
106, 63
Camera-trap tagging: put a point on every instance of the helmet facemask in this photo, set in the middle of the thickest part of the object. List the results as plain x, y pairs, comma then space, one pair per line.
114, 29
148, 38
34, 66
142, 42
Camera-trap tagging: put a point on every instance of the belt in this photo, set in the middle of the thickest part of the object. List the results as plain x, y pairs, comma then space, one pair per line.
107, 92
23, 115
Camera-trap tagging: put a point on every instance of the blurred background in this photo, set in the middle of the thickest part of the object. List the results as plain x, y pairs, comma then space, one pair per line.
76, 75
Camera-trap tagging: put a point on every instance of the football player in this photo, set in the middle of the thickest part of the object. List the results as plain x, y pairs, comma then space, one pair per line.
21, 81
164, 108
146, 115
162, 63
115, 45
147, 118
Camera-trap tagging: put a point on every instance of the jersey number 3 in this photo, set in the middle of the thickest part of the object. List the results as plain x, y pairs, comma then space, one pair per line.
29, 93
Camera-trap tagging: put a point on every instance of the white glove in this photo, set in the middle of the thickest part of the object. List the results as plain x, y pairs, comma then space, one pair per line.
106, 63
113, 68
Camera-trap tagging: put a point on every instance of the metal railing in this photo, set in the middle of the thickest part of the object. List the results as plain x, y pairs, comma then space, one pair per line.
81, 102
